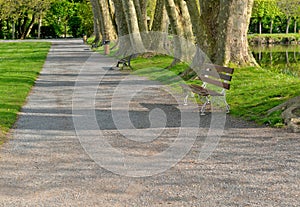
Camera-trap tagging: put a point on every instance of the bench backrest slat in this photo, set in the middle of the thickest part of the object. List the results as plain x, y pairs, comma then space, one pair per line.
215, 82
220, 69
217, 75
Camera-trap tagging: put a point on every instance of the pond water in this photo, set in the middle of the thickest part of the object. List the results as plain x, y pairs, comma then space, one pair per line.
279, 58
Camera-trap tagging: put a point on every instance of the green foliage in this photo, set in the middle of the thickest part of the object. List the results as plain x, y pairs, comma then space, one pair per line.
71, 17
75, 26
59, 14
64, 16
20, 64
265, 11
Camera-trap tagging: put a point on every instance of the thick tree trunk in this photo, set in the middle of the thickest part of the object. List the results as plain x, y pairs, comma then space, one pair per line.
159, 27
227, 30
177, 30
198, 25
137, 45
97, 29
109, 32
236, 48
122, 27
209, 19
185, 19
160, 17
141, 11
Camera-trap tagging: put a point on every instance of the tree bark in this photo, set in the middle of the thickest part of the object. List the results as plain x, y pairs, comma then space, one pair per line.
141, 11
226, 26
236, 48
109, 32
39, 27
159, 27
160, 17
137, 45
185, 20
122, 27
176, 30
97, 30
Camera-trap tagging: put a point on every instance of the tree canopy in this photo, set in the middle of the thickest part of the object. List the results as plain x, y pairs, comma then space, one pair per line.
24, 18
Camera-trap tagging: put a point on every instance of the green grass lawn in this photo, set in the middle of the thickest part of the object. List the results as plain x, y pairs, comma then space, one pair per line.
20, 64
254, 90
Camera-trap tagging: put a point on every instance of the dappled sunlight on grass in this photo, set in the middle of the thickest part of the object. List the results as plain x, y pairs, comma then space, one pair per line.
253, 91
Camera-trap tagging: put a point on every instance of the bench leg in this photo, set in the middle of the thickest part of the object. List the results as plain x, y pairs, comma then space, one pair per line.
204, 106
186, 100
227, 106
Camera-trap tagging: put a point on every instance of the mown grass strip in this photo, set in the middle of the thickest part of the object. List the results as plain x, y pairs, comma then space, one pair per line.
20, 64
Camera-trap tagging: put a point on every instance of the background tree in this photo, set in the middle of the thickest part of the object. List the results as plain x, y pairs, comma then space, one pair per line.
289, 8
272, 12
59, 14
259, 11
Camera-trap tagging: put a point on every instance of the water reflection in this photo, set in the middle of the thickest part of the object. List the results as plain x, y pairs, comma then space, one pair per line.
279, 58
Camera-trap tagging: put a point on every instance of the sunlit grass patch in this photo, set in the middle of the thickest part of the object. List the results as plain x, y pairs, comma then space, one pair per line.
253, 91
20, 64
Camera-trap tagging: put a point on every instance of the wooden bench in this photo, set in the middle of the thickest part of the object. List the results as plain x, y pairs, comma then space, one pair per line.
126, 61
210, 74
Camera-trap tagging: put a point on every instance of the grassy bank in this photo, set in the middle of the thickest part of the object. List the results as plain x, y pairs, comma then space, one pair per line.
20, 64
292, 38
254, 90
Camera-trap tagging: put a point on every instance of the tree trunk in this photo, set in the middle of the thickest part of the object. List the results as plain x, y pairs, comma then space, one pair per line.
109, 32
176, 30
137, 45
141, 11
160, 18
226, 24
288, 25
271, 26
97, 29
295, 25
122, 27
39, 27
159, 27
260, 25
13, 26
1, 27
185, 20
29, 28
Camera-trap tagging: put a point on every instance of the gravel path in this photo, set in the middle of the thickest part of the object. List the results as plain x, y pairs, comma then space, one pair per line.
49, 163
